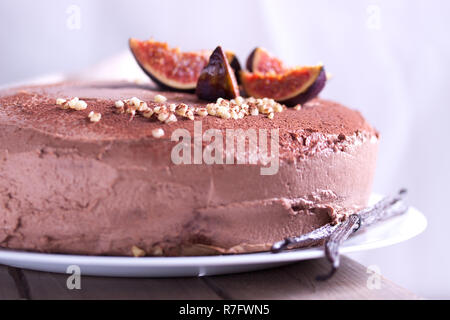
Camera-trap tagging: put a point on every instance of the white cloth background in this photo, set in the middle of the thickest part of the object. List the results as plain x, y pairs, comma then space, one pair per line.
389, 59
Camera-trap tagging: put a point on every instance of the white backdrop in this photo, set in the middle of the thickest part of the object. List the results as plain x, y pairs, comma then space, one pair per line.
389, 59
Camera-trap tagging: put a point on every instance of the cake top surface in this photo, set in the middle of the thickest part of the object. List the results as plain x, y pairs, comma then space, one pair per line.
34, 107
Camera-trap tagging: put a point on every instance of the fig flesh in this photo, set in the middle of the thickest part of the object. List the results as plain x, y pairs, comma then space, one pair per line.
294, 86
170, 68
263, 62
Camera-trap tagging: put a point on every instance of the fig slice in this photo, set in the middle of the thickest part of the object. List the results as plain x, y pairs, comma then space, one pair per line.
170, 68
260, 60
294, 86
217, 79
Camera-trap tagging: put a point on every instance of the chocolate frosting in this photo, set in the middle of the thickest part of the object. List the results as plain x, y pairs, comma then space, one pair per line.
69, 185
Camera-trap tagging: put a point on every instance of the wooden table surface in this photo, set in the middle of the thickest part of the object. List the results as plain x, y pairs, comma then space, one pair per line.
295, 281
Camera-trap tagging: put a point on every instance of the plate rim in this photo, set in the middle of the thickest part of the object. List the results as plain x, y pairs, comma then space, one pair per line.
211, 261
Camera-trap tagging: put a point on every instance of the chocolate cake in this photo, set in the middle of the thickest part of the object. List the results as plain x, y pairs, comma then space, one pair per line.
96, 178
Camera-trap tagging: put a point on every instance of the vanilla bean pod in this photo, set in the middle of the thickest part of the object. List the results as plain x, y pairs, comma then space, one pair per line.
332, 244
335, 235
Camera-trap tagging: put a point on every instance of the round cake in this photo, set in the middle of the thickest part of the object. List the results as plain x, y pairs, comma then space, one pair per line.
99, 178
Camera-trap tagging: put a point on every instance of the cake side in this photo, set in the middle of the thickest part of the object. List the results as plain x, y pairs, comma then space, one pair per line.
68, 185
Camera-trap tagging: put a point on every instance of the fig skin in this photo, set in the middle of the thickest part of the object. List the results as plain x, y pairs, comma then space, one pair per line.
289, 88
217, 79
260, 60
312, 92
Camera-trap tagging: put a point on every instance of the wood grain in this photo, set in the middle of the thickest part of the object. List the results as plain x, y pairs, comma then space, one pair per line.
8, 288
53, 286
296, 281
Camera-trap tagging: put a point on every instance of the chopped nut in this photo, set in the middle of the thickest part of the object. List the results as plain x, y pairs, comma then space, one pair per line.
94, 116
298, 107
80, 105
131, 110
202, 112
277, 107
143, 106
148, 113
212, 109
135, 101
190, 115
239, 100
224, 113
181, 109
266, 110
137, 252
119, 104
163, 116
270, 116
72, 103
254, 111
158, 133
235, 109
159, 109
172, 107
60, 101
157, 251
160, 98
171, 118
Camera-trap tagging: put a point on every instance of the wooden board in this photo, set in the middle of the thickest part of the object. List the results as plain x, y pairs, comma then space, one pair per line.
8, 288
296, 281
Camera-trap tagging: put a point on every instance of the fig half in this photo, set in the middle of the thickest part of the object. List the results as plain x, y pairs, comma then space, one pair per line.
217, 79
260, 60
292, 87
170, 68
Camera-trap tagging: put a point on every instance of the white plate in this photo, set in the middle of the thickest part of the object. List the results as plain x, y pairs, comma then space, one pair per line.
395, 230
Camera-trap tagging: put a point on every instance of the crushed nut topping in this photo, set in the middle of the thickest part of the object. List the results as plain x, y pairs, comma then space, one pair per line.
237, 108
148, 114
181, 109
171, 118
157, 133
190, 114
135, 101
202, 112
75, 104
60, 101
94, 116
119, 104
160, 98
137, 252
163, 116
